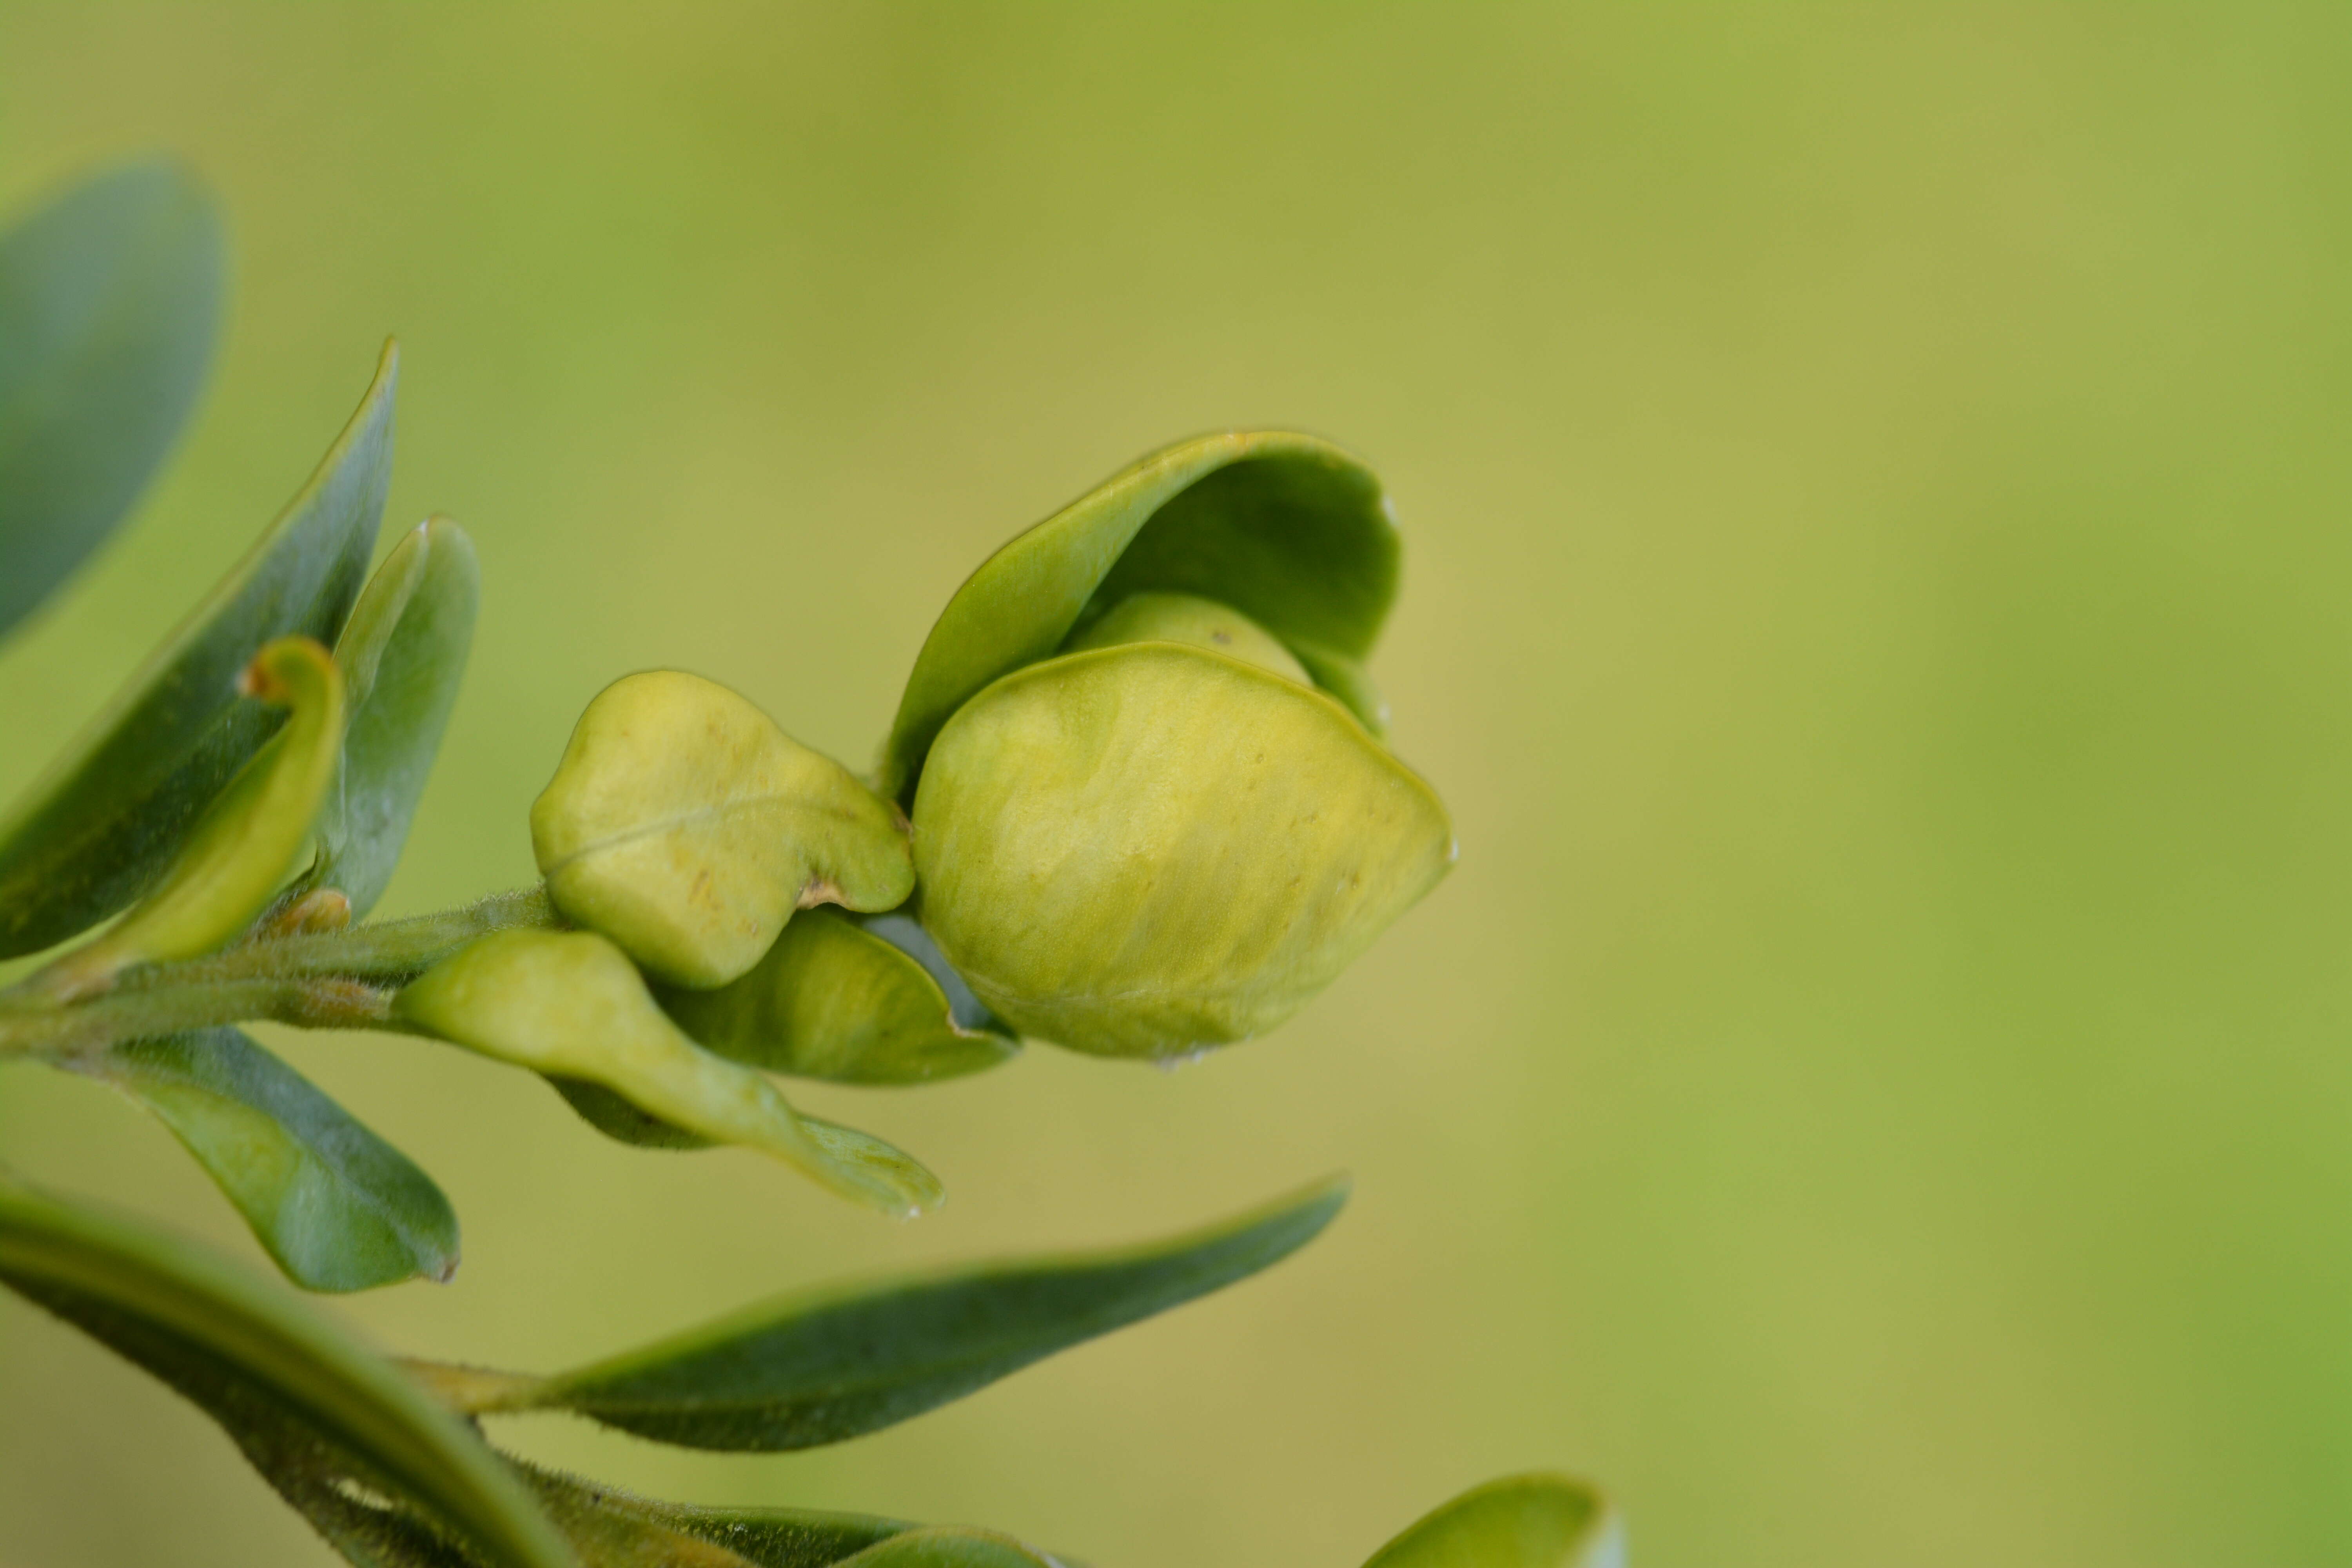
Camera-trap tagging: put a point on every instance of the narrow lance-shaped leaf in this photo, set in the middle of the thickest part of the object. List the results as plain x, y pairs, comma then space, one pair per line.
835, 1364
105, 819
402, 654
1288, 529
686, 826
1521, 1521
571, 1005
314, 1412
109, 302
855, 1000
246, 843
336, 1206
606, 1526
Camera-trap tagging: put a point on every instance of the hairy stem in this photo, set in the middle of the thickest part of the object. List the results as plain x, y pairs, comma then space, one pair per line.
334, 980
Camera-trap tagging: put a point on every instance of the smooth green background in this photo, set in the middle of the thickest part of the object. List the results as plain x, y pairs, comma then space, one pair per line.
1877, 1088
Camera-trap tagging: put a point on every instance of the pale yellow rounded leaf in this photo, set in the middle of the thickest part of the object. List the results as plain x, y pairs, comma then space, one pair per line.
686, 826
1148, 849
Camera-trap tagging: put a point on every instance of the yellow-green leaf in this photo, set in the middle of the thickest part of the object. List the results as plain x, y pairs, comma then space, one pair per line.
1523, 1522
687, 827
854, 1000
246, 844
1148, 849
1196, 621
571, 1006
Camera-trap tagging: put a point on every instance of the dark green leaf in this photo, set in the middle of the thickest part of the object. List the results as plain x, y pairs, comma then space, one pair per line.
402, 654
608, 1529
110, 299
833, 1363
110, 815
854, 1000
1288, 529
611, 1529
337, 1207
317, 1414
1523, 1522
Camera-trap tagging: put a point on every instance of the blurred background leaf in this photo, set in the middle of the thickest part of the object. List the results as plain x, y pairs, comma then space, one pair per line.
1874, 1089
109, 296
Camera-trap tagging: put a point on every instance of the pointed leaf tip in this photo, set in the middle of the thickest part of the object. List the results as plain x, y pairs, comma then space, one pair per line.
833, 1363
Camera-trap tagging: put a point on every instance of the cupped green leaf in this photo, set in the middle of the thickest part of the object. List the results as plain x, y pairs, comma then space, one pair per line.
313, 1411
105, 820
570, 1005
1149, 849
853, 1000
1288, 529
947, 1546
1522, 1521
687, 827
338, 1207
830, 1364
110, 303
401, 652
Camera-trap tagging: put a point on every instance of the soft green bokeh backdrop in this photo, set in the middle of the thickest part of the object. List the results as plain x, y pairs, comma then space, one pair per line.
1876, 1089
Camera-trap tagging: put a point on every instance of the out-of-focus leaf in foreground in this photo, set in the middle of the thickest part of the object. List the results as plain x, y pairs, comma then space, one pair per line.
338, 1207
105, 819
833, 1363
110, 300
1521, 1521
318, 1416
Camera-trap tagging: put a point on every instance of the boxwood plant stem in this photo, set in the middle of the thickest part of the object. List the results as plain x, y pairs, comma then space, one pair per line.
337, 979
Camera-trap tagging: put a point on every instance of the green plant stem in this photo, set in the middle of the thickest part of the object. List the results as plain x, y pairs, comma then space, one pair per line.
335, 980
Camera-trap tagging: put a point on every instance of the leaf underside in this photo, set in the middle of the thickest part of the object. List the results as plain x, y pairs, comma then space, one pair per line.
336, 1206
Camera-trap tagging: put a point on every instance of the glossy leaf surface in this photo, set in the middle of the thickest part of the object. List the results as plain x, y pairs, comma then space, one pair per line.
1523, 1522
403, 654
1144, 850
109, 302
102, 823
827, 1365
1287, 529
571, 1006
687, 827
336, 1206
856, 1001
242, 848
315, 1413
